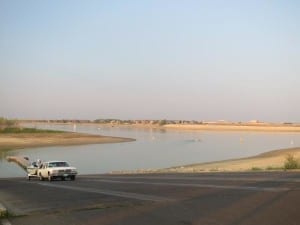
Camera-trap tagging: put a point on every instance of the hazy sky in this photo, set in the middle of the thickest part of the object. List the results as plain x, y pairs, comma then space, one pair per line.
195, 60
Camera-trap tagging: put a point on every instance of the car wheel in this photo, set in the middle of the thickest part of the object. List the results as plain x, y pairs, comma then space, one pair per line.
72, 177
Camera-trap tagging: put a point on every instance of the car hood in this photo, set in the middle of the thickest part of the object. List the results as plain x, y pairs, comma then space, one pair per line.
63, 168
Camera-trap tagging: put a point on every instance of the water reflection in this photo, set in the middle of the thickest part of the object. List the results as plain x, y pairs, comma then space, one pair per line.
154, 148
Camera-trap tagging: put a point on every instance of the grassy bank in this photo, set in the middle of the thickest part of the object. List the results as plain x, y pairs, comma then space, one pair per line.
19, 130
13, 136
13, 127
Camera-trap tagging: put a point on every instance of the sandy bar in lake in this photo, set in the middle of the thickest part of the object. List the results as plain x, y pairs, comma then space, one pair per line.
20, 141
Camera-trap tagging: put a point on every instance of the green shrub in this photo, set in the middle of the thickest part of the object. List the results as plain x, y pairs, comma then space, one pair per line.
256, 169
291, 162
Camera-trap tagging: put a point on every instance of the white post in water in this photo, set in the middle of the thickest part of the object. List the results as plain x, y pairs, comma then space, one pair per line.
74, 127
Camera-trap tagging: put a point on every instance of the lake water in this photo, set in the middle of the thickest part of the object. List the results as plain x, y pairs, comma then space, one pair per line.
154, 148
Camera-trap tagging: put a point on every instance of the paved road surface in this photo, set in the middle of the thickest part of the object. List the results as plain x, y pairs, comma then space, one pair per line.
166, 199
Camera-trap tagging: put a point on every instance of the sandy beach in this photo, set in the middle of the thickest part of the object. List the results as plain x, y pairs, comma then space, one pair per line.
20, 141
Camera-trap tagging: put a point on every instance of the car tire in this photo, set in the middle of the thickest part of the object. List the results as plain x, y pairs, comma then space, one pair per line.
72, 178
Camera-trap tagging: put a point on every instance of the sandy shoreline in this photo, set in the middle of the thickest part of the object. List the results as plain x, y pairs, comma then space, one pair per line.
268, 161
272, 160
20, 141
235, 127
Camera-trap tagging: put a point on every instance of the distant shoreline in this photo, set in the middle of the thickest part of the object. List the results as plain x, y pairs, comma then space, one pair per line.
251, 127
22, 141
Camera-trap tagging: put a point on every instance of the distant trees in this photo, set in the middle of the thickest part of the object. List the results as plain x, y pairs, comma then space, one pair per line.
7, 123
146, 122
162, 122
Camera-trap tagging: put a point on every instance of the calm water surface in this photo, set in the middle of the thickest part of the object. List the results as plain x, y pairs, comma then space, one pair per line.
154, 148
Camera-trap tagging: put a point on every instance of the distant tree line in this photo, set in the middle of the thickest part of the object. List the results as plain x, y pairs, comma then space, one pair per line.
160, 122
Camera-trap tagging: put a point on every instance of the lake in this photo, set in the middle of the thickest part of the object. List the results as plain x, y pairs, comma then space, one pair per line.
154, 148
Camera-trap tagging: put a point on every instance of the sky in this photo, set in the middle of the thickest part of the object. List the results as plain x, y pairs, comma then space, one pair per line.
152, 59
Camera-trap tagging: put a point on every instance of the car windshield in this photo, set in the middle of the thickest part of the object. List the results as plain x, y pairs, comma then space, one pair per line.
58, 164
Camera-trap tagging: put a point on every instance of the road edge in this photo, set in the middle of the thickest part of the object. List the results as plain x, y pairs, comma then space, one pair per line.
3, 215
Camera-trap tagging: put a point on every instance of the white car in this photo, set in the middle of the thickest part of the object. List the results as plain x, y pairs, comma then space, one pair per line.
56, 169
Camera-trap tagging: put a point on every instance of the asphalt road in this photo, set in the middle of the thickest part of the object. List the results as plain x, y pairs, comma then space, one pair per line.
166, 199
